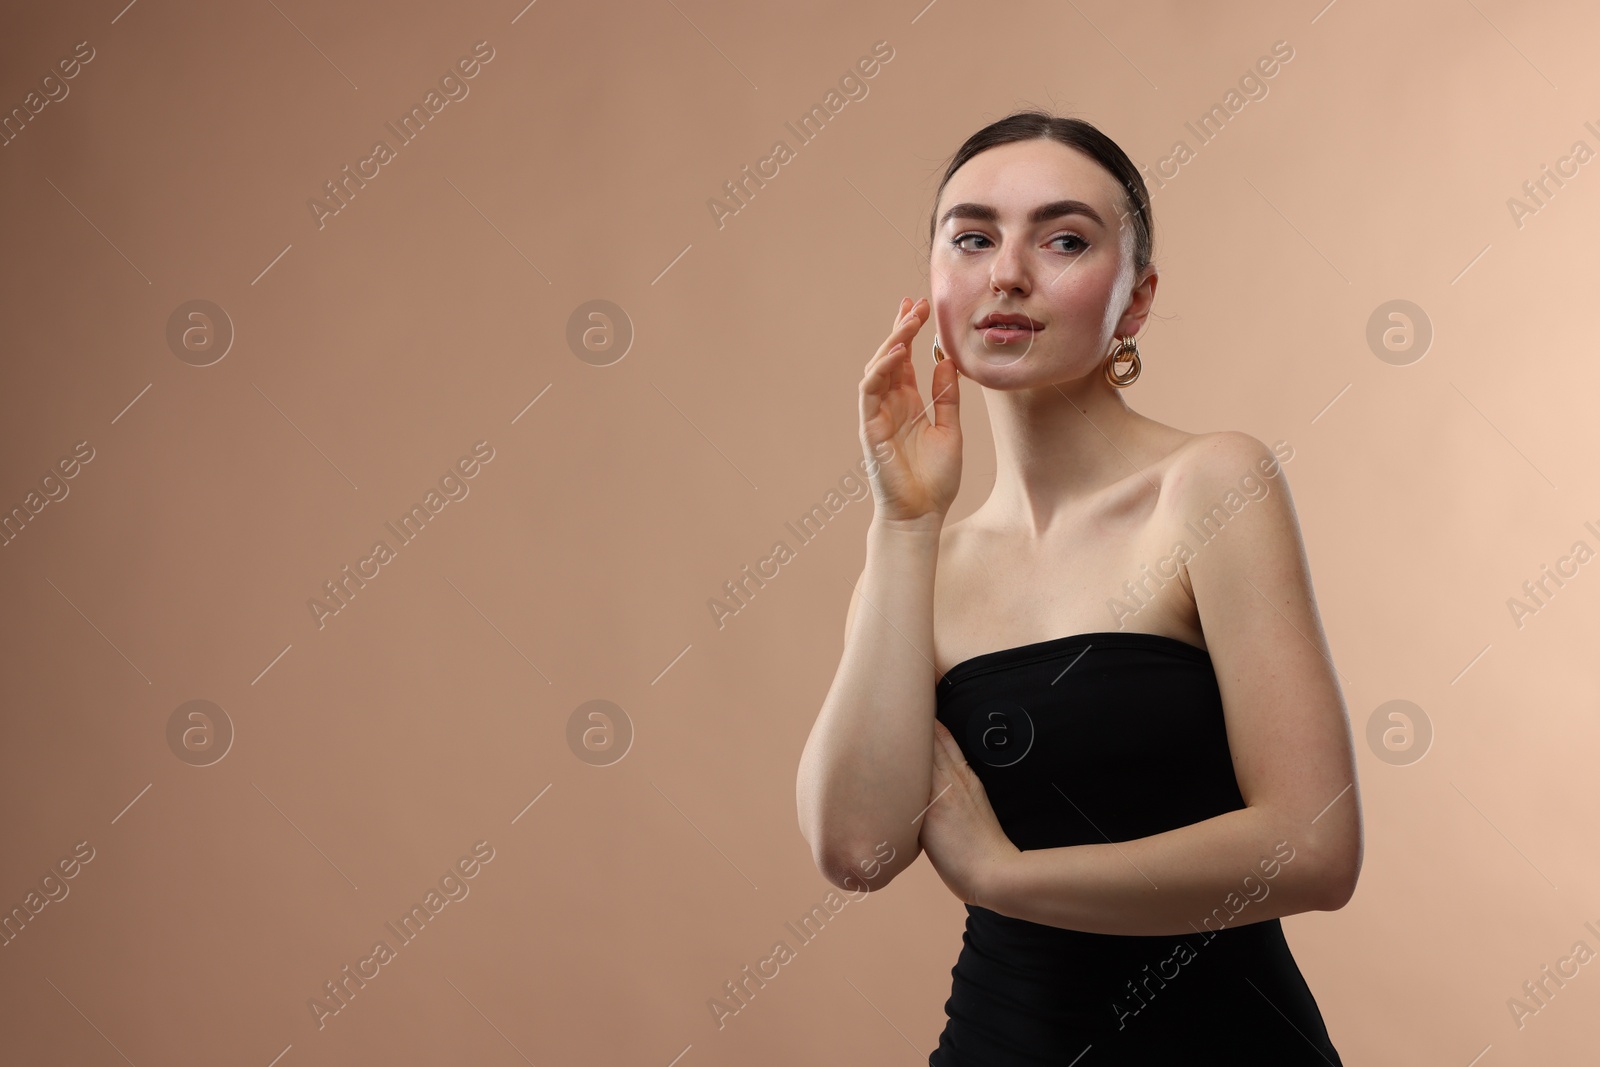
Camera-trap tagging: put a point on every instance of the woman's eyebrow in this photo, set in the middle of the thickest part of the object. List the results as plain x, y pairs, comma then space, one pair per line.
1043, 213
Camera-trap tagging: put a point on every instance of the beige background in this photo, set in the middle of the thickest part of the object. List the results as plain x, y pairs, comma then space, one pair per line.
370, 354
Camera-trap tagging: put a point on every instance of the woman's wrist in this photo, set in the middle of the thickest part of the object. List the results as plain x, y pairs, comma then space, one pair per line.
928, 525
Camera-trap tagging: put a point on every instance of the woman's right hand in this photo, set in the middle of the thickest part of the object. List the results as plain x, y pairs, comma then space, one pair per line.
918, 460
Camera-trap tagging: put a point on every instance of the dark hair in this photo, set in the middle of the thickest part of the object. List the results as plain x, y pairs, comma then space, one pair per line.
1074, 133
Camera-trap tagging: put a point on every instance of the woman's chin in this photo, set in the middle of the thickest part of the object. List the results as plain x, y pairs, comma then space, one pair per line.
997, 369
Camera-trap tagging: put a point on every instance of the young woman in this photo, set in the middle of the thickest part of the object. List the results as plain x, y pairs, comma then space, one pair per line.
1140, 756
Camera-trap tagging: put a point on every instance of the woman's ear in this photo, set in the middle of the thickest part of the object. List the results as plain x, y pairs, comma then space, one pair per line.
1139, 302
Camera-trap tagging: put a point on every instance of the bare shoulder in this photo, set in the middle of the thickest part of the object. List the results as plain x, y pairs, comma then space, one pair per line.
1210, 465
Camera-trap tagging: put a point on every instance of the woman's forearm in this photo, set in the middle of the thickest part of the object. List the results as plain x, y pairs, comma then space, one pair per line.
864, 775
1240, 867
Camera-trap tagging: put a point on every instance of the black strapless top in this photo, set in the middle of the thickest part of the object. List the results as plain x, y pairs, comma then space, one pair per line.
1080, 740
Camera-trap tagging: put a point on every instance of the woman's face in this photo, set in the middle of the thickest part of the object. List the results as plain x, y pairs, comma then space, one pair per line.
1070, 274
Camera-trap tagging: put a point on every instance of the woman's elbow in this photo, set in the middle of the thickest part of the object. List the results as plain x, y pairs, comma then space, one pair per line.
1341, 886
865, 869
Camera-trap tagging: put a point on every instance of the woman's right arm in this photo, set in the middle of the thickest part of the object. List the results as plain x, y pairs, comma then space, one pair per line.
865, 772
866, 769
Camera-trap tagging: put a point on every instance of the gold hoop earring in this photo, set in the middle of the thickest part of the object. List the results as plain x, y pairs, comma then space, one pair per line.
1127, 349
938, 353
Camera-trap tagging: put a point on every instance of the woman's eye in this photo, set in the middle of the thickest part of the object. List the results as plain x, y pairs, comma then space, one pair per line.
1077, 244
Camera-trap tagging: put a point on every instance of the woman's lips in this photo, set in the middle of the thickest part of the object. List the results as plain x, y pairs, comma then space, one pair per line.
1001, 335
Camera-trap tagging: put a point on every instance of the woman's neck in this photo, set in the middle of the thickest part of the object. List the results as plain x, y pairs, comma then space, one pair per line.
1058, 446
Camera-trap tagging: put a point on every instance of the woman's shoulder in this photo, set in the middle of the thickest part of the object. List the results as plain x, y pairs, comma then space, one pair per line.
1210, 461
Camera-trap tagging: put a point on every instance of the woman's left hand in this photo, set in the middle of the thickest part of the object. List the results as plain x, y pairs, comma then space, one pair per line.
960, 832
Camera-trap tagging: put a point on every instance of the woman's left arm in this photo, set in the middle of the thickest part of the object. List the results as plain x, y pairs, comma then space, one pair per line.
1297, 844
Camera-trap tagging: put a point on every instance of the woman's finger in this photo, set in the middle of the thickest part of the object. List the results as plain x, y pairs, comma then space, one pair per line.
946, 395
886, 353
905, 305
905, 328
890, 359
877, 378
912, 321
903, 371
951, 749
